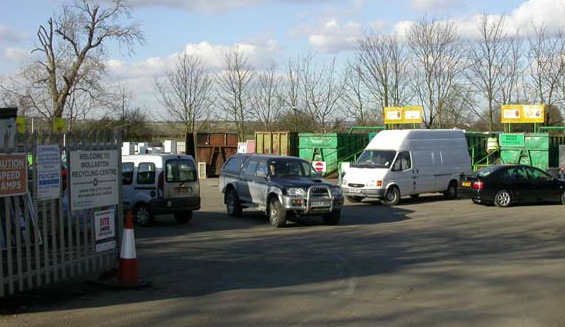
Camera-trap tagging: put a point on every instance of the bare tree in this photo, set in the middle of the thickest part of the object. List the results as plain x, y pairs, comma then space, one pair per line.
234, 84
266, 102
438, 65
384, 69
74, 46
490, 62
186, 92
321, 90
547, 67
356, 97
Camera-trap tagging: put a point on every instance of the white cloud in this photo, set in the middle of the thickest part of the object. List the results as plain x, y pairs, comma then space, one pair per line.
523, 19
435, 5
16, 55
537, 12
206, 6
140, 76
331, 35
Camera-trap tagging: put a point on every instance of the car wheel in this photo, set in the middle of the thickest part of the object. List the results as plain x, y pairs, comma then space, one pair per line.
392, 196
502, 198
332, 218
277, 214
183, 217
563, 197
354, 199
142, 216
233, 205
451, 192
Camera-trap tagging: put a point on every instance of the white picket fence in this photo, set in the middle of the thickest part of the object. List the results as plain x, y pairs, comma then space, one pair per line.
44, 242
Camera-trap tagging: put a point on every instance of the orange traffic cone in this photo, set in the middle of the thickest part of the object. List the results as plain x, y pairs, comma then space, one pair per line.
127, 276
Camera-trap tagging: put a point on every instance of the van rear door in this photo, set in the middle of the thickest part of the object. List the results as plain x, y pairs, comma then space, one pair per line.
179, 178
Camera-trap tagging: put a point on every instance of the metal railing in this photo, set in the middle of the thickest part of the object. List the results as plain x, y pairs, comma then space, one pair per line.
42, 241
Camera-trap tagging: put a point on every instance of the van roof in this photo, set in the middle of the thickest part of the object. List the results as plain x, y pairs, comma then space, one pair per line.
395, 139
154, 156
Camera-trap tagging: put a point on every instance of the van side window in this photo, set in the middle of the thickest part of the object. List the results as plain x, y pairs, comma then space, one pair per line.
180, 170
127, 173
146, 173
403, 161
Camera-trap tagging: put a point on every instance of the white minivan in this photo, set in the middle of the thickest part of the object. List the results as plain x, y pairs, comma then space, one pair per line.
408, 162
155, 184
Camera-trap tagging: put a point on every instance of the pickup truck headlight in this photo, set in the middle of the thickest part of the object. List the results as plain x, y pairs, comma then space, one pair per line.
336, 191
296, 191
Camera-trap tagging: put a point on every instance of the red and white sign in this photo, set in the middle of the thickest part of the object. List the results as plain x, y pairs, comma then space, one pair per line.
320, 166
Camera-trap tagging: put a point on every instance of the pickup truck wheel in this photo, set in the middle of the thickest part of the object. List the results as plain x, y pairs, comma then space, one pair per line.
183, 217
392, 196
332, 218
142, 215
277, 214
233, 205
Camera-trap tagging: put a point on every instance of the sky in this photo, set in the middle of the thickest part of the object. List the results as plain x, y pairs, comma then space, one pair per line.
270, 32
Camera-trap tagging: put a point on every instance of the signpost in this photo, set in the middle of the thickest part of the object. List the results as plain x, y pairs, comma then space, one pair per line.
48, 165
93, 178
13, 174
403, 115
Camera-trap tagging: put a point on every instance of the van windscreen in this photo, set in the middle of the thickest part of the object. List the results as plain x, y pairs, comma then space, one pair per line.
180, 170
375, 159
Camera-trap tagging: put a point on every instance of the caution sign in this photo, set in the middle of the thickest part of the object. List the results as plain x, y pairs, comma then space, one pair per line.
13, 174
93, 178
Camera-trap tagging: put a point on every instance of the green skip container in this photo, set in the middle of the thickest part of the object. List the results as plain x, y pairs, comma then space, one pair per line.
331, 147
525, 148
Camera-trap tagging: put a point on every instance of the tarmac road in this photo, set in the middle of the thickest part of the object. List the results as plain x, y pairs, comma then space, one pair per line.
425, 262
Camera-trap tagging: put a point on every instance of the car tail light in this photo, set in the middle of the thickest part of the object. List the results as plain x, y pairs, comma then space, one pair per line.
478, 185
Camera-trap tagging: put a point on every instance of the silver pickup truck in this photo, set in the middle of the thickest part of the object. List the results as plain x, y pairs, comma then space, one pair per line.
284, 187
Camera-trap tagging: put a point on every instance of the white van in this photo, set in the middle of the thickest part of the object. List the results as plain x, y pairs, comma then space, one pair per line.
156, 184
399, 163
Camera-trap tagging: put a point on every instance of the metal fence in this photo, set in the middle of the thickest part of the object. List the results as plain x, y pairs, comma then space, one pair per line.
42, 240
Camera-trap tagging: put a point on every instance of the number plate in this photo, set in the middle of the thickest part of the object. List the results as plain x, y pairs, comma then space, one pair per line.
467, 184
181, 189
358, 190
317, 204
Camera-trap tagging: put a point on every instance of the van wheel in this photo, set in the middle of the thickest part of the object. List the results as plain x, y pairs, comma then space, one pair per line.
354, 199
183, 217
451, 192
332, 218
142, 215
233, 205
392, 196
277, 214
